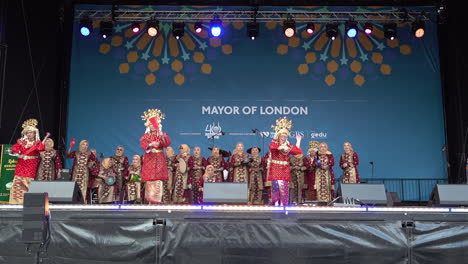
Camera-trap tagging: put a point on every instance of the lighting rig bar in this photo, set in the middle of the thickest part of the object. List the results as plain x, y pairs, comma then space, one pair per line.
397, 16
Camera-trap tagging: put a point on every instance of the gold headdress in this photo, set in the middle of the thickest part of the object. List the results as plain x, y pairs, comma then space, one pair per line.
313, 146
30, 125
153, 116
283, 125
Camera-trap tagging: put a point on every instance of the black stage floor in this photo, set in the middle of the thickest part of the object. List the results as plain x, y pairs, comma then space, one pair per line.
242, 234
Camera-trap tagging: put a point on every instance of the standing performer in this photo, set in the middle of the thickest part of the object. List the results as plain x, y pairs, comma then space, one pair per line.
154, 169
50, 163
197, 165
133, 180
311, 194
80, 171
107, 187
348, 162
324, 178
255, 176
298, 184
181, 192
268, 184
28, 148
280, 170
219, 164
238, 164
120, 162
169, 184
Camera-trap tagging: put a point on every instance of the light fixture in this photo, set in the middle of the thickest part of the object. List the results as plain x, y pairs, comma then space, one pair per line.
289, 28
351, 29
332, 31
253, 30
106, 28
135, 27
418, 29
85, 26
178, 29
198, 27
390, 31
368, 28
152, 28
216, 27
310, 29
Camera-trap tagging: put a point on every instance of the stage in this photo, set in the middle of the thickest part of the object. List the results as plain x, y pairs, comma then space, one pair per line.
242, 234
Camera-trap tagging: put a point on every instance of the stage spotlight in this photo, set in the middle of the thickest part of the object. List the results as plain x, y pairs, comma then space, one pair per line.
86, 26
216, 27
135, 27
368, 28
332, 31
390, 31
289, 28
178, 29
35, 218
198, 27
351, 29
152, 28
418, 28
106, 28
252, 30
310, 29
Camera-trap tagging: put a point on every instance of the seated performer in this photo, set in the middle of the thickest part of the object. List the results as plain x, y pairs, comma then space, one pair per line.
107, 182
133, 181
348, 162
27, 148
50, 163
280, 170
208, 176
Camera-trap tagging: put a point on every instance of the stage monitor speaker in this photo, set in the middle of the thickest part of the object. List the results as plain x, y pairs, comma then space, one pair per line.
58, 191
367, 193
225, 192
64, 175
449, 195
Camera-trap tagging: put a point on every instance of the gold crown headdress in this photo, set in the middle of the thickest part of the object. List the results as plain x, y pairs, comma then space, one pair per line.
283, 125
29, 125
313, 146
150, 113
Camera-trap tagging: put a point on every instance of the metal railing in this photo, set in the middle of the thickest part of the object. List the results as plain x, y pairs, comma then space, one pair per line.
408, 189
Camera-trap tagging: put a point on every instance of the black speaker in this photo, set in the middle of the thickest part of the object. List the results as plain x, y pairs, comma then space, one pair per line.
225, 192
449, 195
35, 218
368, 193
64, 175
59, 191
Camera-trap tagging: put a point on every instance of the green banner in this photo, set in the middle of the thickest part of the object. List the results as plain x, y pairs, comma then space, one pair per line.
7, 171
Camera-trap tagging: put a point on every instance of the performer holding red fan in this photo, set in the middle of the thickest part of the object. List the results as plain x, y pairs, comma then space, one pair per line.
154, 168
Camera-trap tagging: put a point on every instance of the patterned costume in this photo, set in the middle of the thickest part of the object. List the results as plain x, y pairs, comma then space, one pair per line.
28, 150
219, 164
256, 180
169, 184
120, 164
299, 180
49, 166
324, 177
107, 193
238, 170
197, 166
80, 171
181, 192
350, 172
133, 186
154, 167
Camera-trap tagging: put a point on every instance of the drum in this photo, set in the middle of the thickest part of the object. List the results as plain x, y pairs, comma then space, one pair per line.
9, 185
110, 180
182, 166
135, 178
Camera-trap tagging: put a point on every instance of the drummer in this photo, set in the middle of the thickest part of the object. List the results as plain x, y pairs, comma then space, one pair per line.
106, 182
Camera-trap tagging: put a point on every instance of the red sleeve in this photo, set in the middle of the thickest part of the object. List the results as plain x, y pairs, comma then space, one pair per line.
274, 145
58, 162
166, 141
17, 148
331, 160
190, 163
96, 168
40, 146
355, 159
144, 142
71, 155
295, 150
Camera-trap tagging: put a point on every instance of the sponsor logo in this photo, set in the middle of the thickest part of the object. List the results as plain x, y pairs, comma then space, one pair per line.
314, 134
213, 131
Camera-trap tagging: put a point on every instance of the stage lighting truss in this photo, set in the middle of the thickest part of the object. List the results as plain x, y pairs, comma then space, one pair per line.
253, 30
106, 28
178, 29
130, 15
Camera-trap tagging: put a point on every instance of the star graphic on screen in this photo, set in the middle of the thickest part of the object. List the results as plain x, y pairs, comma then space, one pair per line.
323, 57
186, 56
364, 57
128, 45
203, 46
145, 56
165, 60
306, 46
344, 61
380, 46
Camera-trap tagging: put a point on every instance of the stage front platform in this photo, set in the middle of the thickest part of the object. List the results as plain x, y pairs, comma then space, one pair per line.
242, 234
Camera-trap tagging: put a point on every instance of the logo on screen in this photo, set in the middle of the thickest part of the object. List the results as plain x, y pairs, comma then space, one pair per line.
318, 134
213, 131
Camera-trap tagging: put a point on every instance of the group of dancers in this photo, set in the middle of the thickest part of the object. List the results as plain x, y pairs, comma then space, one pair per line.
282, 176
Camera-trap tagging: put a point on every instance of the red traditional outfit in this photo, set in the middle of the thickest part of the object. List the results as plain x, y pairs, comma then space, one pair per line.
169, 184
219, 165
26, 168
154, 166
81, 170
133, 187
279, 171
323, 179
120, 164
197, 166
256, 180
350, 172
299, 180
107, 193
181, 193
49, 166
238, 171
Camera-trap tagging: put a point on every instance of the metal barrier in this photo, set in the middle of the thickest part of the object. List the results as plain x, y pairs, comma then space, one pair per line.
408, 189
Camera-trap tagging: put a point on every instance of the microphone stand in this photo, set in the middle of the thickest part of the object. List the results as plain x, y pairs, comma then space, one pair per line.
257, 132
372, 164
